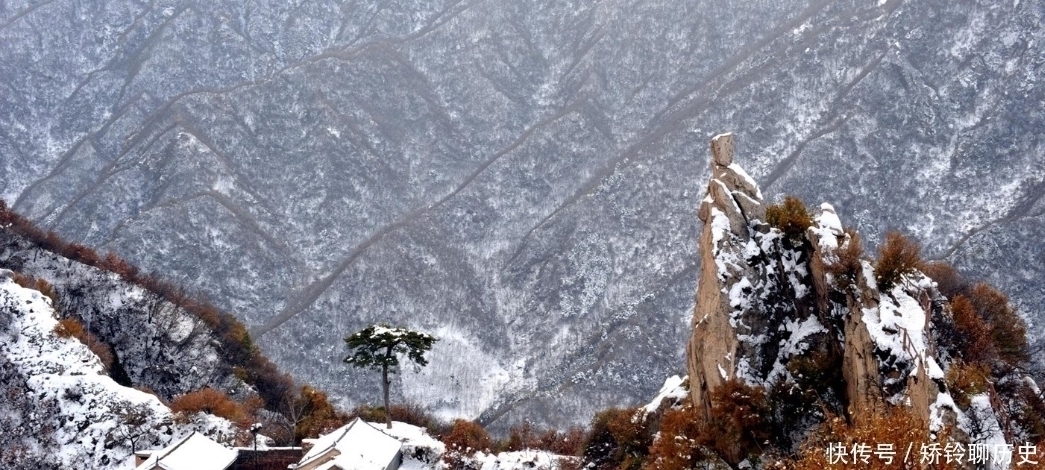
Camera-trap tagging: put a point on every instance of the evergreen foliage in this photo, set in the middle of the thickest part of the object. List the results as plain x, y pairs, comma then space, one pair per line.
379, 346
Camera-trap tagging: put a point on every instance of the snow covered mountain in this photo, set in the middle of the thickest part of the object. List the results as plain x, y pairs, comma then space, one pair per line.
60, 409
516, 177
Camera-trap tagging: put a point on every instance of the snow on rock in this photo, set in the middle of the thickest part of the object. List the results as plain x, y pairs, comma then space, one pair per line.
82, 402
673, 390
939, 411
985, 429
827, 229
898, 325
420, 449
795, 344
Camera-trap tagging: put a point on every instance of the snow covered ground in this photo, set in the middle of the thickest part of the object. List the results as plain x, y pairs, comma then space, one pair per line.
423, 452
66, 411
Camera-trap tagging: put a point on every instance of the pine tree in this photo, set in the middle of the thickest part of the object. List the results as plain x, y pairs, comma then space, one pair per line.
379, 346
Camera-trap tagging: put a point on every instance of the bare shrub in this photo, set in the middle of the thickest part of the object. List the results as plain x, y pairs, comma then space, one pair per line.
897, 256
617, 440
790, 216
965, 380
973, 335
948, 280
211, 401
848, 260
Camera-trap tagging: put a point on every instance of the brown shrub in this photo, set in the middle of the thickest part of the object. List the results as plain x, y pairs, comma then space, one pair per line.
47, 290
790, 216
69, 328
38, 284
570, 442
973, 335
317, 415
948, 280
738, 422
100, 349
52, 242
676, 446
897, 427
81, 253
467, 436
119, 266
464, 439
897, 257
211, 401
1008, 332
965, 380
525, 436
848, 263
73, 328
617, 440
521, 437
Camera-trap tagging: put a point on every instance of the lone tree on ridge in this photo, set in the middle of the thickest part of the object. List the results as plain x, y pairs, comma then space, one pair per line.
379, 347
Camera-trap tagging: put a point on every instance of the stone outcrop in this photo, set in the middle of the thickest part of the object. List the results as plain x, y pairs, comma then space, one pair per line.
766, 298
732, 205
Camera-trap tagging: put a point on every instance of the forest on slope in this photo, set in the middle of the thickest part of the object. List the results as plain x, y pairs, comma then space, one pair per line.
515, 177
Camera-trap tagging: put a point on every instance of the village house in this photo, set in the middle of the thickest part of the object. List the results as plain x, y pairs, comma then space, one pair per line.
198, 452
192, 452
354, 446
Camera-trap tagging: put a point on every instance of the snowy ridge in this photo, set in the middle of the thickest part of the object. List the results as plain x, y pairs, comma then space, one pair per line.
166, 348
79, 403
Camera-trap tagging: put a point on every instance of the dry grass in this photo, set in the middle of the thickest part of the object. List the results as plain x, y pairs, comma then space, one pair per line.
897, 257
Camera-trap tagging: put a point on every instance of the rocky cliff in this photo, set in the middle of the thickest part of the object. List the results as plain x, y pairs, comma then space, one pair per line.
787, 300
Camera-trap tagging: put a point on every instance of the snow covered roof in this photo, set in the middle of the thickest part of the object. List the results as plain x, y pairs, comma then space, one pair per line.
354, 446
193, 452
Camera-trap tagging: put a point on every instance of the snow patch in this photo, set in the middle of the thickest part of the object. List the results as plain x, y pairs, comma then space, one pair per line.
672, 389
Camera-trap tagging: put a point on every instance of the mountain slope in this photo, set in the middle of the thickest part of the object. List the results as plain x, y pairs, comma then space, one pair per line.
61, 409
513, 176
